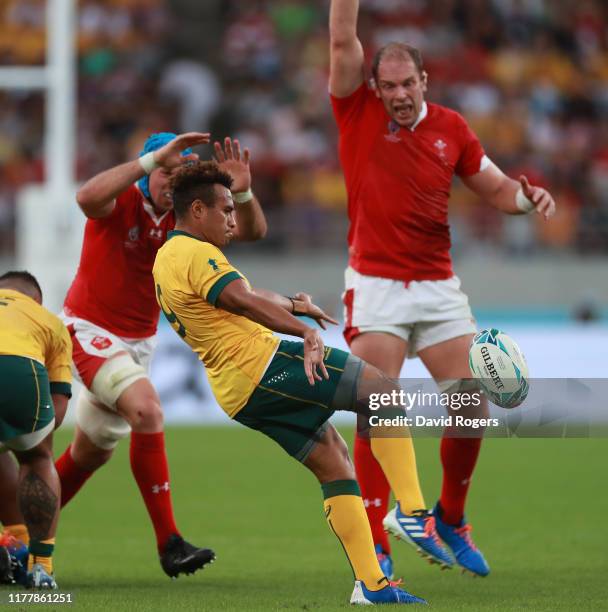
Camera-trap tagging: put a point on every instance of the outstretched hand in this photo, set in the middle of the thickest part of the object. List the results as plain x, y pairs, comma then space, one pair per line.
304, 306
314, 351
170, 156
541, 198
236, 163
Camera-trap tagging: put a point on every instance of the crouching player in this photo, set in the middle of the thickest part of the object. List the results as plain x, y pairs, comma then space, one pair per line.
287, 390
35, 378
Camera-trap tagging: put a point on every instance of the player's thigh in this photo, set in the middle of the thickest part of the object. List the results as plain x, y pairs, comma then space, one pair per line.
448, 359
383, 350
26, 407
448, 364
329, 459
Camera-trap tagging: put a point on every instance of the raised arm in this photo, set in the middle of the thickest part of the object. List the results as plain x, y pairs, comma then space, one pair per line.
250, 219
97, 196
346, 51
508, 195
239, 299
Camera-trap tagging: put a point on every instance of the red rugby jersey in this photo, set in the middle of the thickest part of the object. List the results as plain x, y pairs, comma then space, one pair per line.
398, 182
114, 287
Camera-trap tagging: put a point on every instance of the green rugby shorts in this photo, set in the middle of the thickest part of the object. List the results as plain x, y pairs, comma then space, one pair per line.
286, 408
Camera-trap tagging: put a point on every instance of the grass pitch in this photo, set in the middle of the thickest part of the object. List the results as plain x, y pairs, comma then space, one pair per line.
539, 510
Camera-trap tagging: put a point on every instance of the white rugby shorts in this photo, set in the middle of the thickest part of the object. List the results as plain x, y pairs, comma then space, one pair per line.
93, 346
423, 313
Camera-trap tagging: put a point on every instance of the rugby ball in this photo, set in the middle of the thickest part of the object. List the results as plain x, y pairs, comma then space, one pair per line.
500, 368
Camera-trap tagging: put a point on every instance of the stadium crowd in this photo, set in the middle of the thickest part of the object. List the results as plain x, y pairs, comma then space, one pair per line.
531, 76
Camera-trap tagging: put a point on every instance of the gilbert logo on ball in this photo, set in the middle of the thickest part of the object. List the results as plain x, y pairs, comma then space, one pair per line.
500, 367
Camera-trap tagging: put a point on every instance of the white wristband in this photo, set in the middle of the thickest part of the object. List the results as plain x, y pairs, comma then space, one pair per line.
242, 196
523, 203
147, 162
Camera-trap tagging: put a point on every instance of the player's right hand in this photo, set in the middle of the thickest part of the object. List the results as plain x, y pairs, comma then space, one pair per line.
314, 351
304, 305
170, 156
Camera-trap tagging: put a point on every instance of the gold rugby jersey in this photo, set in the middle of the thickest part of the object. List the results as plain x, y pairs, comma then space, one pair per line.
189, 275
27, 329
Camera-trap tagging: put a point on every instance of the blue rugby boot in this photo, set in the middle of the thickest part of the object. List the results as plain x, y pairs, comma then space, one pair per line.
458, 538
18, 553
388, 595
418, 529
385, 561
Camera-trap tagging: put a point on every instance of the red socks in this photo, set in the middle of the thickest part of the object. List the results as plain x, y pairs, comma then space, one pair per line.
375, 489
151, 471
458, 457
71, 476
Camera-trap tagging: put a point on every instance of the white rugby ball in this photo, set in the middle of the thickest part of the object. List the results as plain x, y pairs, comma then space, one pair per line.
500, 367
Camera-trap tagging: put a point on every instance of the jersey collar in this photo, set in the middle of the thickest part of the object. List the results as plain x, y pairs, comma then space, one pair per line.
423, 113
150, 209
174, 233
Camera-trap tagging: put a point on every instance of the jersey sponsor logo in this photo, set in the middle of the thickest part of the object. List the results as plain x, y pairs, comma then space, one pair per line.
213, 264
101, 342
393, 130
156, 233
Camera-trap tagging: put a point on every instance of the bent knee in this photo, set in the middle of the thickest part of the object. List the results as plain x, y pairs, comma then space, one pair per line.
144, 414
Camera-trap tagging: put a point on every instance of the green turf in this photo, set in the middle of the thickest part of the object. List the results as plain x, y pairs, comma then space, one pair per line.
539, 509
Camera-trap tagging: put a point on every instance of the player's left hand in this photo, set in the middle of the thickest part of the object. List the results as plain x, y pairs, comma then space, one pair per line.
541, 198
236, 163
304, 306
170, 156
314, 352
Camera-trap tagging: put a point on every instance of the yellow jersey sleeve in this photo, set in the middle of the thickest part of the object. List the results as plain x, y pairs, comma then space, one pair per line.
58, 360
210, 272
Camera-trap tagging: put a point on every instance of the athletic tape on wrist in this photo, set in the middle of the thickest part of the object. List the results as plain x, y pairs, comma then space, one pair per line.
242, 196
147, 162
523, 203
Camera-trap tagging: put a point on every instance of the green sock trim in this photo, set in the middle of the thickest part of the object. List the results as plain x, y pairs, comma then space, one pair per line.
38, 549
340, 487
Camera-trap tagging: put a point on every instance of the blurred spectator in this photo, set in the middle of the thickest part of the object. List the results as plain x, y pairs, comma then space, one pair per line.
531, 76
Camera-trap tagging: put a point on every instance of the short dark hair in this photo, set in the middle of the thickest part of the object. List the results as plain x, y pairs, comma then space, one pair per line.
400, 50
197, 181
21, 276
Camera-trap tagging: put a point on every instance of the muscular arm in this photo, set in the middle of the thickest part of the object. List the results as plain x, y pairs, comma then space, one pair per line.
346, 51
250, 221
262, 306
97, 196
237, 298
496, 188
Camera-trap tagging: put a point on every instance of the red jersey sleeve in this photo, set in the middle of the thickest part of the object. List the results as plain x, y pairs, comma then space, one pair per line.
347, 110
129, 197
471, 153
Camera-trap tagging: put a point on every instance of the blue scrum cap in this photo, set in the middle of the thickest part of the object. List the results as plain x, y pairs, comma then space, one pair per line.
153, 143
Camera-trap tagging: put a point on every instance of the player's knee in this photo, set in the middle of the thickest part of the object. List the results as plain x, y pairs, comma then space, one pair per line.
144, 413
40, 453
330, 460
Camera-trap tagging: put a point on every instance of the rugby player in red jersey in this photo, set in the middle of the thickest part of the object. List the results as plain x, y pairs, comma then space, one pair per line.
111, 313
399, 155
